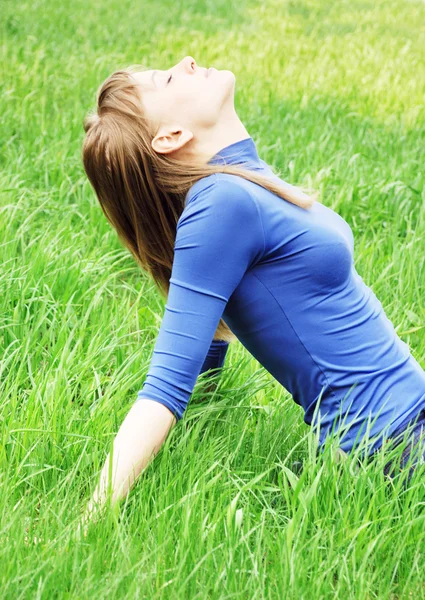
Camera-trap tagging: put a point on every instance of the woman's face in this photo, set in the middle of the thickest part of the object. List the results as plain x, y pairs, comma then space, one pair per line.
186, 97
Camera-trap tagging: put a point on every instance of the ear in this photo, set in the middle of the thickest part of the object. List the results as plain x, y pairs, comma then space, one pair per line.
166, 142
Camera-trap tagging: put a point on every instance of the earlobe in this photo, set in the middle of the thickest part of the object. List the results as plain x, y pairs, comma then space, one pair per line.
185, 136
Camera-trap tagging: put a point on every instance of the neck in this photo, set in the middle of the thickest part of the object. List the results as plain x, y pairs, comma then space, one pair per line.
228, 131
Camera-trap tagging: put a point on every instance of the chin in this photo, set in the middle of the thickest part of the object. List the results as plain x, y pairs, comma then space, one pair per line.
230, 79
230, 73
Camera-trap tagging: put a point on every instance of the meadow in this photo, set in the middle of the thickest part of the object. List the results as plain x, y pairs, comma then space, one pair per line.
333, 93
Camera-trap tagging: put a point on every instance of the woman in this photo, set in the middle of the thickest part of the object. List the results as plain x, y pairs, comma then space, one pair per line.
239, 253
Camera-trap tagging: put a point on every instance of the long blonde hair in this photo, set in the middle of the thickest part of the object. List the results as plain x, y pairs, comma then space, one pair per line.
141, 192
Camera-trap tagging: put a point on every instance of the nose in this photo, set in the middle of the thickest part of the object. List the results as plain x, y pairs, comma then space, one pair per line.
189, 63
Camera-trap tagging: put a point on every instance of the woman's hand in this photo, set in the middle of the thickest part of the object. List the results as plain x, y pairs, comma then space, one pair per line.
139, 438
92, 514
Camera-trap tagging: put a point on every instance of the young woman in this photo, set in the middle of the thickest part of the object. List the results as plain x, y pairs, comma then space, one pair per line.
239, 254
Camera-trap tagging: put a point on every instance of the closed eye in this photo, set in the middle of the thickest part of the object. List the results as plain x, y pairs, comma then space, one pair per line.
169, 79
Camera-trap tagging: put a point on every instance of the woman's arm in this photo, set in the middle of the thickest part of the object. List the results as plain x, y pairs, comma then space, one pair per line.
139, 438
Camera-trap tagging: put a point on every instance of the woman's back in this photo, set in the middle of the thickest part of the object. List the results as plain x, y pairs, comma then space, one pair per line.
284, 281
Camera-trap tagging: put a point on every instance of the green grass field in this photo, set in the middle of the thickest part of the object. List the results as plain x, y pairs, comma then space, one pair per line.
333, 94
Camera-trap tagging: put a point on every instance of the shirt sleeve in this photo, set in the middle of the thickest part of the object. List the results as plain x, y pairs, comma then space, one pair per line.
219, 237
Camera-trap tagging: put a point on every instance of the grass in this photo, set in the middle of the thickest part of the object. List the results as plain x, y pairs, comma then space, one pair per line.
333, 95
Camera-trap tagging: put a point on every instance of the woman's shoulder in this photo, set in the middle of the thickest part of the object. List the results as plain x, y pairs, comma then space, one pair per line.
220, 195
217, 183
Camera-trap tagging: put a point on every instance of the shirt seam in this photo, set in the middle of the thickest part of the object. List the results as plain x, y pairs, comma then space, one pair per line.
261, 222
330, 388
258, 213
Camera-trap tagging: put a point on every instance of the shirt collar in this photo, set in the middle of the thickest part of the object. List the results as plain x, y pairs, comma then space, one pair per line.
243, 151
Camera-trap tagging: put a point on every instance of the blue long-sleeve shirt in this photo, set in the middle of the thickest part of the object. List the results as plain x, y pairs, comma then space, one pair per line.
284, 281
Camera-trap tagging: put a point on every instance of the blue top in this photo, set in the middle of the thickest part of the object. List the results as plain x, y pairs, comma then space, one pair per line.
283, 279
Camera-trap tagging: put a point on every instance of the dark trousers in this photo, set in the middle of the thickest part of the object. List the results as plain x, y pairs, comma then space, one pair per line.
415, 446
215, 357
